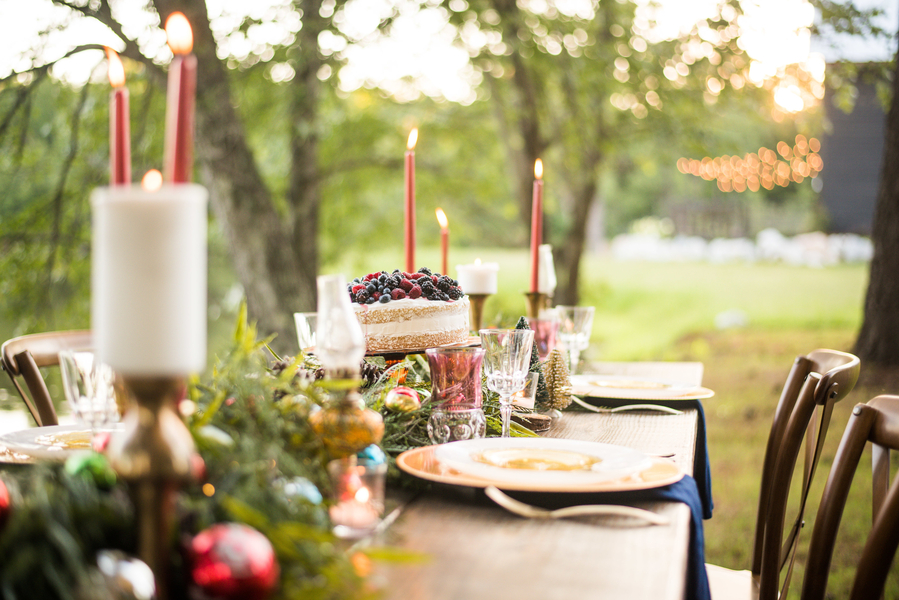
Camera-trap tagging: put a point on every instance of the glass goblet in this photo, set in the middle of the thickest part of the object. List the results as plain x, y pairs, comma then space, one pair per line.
89, 388
306, 327
575, 327
506, 363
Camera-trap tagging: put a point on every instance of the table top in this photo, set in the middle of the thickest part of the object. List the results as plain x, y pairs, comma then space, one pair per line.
477, 550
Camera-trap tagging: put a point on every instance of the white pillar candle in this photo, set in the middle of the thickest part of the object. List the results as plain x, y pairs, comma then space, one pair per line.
148, 279
477, 278
547, 275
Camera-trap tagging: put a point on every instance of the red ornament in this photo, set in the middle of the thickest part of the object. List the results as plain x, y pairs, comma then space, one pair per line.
231, 561
5, 504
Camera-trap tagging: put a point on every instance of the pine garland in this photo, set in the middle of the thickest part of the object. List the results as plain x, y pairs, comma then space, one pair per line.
558, 380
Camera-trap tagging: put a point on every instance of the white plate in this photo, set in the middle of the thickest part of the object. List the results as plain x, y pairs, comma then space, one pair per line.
518, 460
54, 442
636, 388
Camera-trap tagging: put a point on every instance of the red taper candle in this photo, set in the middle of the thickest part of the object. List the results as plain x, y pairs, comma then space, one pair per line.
119, 123
179, 120
536, 224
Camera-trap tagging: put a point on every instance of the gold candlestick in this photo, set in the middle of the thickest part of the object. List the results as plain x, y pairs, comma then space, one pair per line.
536, 302
154, 455
476, 308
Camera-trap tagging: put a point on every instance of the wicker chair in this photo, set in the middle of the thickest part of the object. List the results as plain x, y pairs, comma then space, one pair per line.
22, 358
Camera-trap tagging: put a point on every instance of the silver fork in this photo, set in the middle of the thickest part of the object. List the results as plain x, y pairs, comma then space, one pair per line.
533, 512
617, 409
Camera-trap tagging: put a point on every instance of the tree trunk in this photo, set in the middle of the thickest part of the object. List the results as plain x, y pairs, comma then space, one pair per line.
878, 340
568, 256
269, 262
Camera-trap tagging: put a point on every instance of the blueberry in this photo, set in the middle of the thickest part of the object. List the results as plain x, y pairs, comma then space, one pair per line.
384, 299
371, 288
371, 300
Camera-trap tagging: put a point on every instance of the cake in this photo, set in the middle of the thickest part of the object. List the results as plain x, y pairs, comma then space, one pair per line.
409, 311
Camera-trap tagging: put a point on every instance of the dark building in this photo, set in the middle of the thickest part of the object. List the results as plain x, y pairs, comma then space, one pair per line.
852, 151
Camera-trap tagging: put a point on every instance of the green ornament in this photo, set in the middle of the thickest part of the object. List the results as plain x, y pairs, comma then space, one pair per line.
92, 466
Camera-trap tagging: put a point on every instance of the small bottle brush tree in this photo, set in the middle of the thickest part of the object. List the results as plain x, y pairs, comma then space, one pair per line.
541, 400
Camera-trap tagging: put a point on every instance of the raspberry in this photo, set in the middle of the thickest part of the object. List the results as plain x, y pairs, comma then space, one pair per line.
397, 294
356, 288
415, 292
435, 280
370, 276
376, 295
416, 276
406, 285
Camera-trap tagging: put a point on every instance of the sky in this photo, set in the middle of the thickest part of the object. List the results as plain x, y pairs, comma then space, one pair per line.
420, 56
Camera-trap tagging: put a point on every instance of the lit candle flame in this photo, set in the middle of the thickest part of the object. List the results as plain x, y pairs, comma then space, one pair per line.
413, 138
441, 218
178, 33
362, 495
538, 169
152, 181
116, 71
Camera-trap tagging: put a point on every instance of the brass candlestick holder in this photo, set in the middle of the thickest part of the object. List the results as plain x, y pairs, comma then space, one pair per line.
344, 424
536, 303
153, 455
476, 308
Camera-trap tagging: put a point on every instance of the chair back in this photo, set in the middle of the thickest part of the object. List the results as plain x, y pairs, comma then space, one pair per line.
22, 357
876, 422
815, 383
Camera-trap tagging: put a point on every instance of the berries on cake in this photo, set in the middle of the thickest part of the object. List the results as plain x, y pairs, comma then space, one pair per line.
409, 311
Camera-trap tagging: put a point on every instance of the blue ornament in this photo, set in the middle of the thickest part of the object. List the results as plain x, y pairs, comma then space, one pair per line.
373, 455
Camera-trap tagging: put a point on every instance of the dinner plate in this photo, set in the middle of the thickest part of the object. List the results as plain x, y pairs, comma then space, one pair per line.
635, 388
424, 464
54, 442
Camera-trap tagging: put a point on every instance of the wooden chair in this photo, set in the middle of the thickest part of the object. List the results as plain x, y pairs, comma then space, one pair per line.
876, 422
23, 356
815, 383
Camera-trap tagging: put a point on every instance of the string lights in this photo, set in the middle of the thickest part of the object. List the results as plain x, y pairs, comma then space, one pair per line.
763, 169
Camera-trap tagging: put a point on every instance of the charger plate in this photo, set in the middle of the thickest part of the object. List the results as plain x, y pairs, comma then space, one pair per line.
54, 442
424, 463
635, 388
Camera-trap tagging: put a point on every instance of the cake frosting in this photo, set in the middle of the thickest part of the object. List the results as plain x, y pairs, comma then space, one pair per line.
413, 324
409, 311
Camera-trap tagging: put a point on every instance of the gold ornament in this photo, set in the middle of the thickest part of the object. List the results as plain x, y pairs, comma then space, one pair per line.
558, 380
402, 399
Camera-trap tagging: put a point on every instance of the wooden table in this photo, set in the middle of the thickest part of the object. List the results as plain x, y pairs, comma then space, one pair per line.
477, 550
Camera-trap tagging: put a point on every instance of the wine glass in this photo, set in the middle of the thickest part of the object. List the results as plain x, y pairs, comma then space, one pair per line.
306, 327
575, 327
89, 388
506, 363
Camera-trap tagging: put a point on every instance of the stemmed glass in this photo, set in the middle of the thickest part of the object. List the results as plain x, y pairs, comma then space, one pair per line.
89, 388
575, 327
306, 328
506, 363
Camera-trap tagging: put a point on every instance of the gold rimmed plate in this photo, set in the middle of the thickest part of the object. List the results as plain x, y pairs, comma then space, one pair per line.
425, 463
54, 442
635, 388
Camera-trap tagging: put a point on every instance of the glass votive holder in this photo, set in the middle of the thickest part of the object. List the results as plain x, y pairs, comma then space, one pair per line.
545, 330
456, 375
451, 422
358, 496
527, 396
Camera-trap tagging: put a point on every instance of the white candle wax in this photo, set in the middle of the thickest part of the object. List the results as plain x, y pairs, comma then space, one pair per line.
354, 514
547, 275
148, 279
477, 278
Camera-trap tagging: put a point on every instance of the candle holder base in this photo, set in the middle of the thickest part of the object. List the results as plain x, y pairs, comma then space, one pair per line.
536, 302
154, 454
476, 308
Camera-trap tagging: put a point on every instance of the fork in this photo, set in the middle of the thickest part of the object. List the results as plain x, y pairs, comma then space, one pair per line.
617, 409
533, 512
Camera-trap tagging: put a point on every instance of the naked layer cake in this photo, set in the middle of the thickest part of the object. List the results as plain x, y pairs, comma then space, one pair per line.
406, 311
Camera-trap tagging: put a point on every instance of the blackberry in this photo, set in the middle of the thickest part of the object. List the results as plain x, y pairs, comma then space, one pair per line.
425, 270
455, 293
444, 284
362, 295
